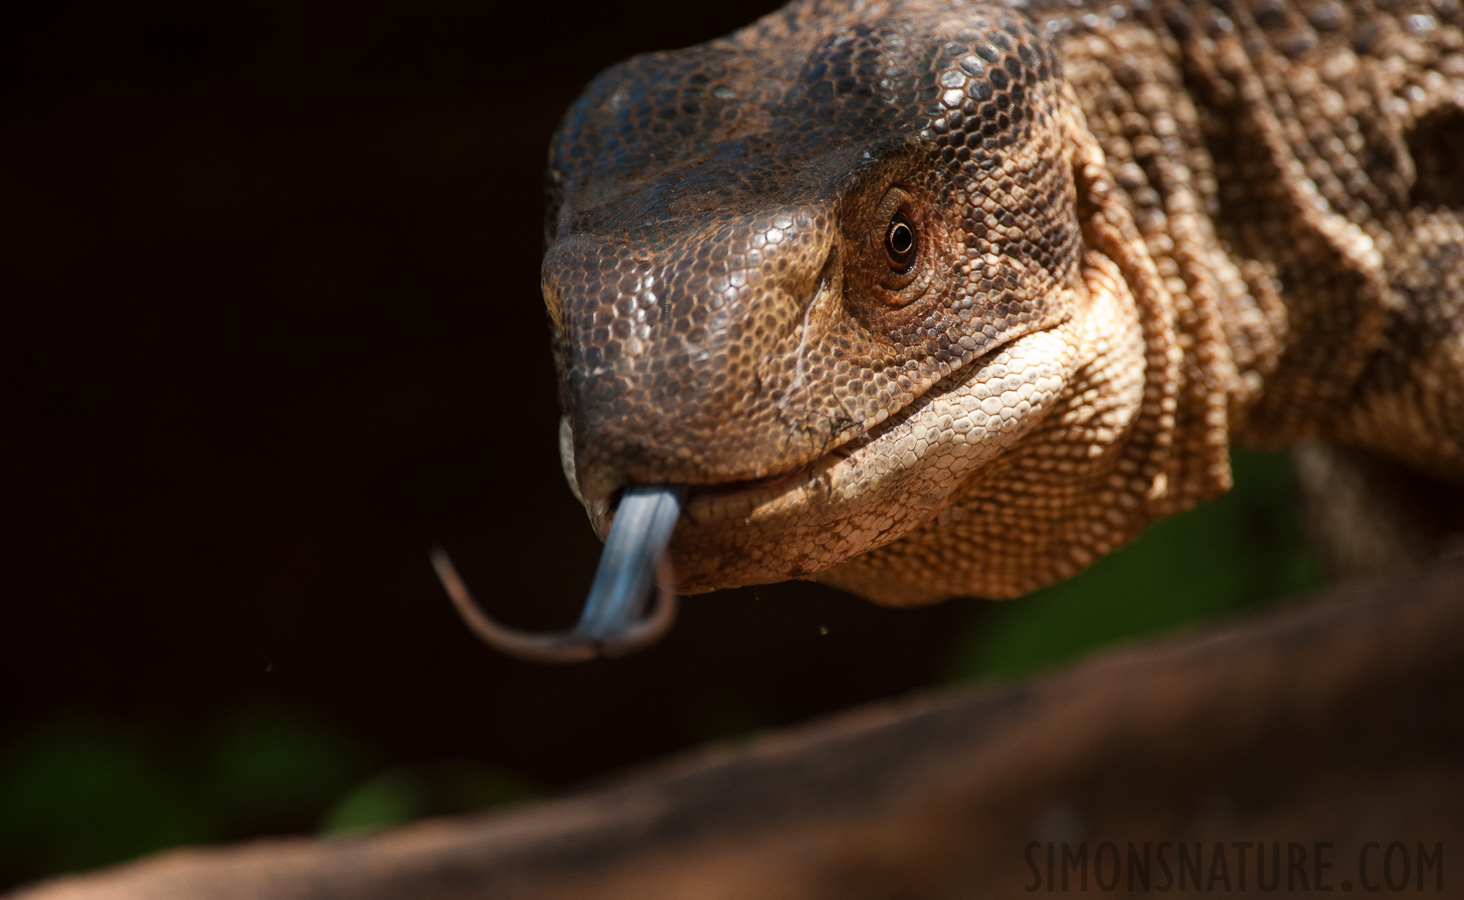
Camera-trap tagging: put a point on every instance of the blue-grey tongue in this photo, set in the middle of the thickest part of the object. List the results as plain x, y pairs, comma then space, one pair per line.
613, 621
641, 531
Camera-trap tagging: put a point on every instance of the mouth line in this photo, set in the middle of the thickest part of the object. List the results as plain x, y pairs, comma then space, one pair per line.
746, 487
749, 485
843, 450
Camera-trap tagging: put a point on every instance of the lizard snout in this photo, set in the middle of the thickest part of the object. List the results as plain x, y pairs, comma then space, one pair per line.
683, 366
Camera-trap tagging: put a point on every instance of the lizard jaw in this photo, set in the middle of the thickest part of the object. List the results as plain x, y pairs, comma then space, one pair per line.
871, 490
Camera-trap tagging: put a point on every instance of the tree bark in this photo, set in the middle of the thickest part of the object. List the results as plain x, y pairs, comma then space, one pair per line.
1340, 720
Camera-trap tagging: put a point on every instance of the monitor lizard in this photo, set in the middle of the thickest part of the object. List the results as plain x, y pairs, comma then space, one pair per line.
927, 298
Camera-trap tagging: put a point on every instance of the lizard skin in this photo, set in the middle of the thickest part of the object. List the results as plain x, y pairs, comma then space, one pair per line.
934, 298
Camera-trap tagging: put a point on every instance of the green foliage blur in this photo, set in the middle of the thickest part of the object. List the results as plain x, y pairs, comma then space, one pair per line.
79, 792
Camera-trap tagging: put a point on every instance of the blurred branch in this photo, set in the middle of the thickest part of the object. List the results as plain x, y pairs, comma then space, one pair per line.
1341, 720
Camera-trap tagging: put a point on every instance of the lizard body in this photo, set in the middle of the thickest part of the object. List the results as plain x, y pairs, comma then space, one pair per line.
937, 298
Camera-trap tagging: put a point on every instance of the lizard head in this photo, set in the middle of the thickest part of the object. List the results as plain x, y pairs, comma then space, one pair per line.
817, 272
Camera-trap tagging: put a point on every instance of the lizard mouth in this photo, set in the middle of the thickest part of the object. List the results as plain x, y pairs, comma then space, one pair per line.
854, 444
745, 485
875, 487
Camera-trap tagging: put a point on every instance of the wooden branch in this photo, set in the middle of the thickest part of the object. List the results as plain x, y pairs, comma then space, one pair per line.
1341, 720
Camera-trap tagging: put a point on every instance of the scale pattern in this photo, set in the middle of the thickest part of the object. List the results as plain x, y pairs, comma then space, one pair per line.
1132, 234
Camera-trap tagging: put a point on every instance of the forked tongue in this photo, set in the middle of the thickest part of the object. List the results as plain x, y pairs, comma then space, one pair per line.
613, 621
639, 535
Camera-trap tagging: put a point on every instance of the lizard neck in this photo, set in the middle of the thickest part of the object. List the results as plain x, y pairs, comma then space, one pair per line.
1276, 266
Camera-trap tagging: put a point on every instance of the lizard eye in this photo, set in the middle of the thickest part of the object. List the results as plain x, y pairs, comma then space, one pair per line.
894, 253
900, 242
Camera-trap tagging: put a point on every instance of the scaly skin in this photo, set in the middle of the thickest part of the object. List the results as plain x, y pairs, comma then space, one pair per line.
1131, 236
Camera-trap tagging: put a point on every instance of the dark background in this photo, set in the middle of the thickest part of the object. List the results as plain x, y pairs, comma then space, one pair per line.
274, 330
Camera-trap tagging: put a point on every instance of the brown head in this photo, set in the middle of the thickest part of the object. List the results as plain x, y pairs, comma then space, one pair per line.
784, 268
